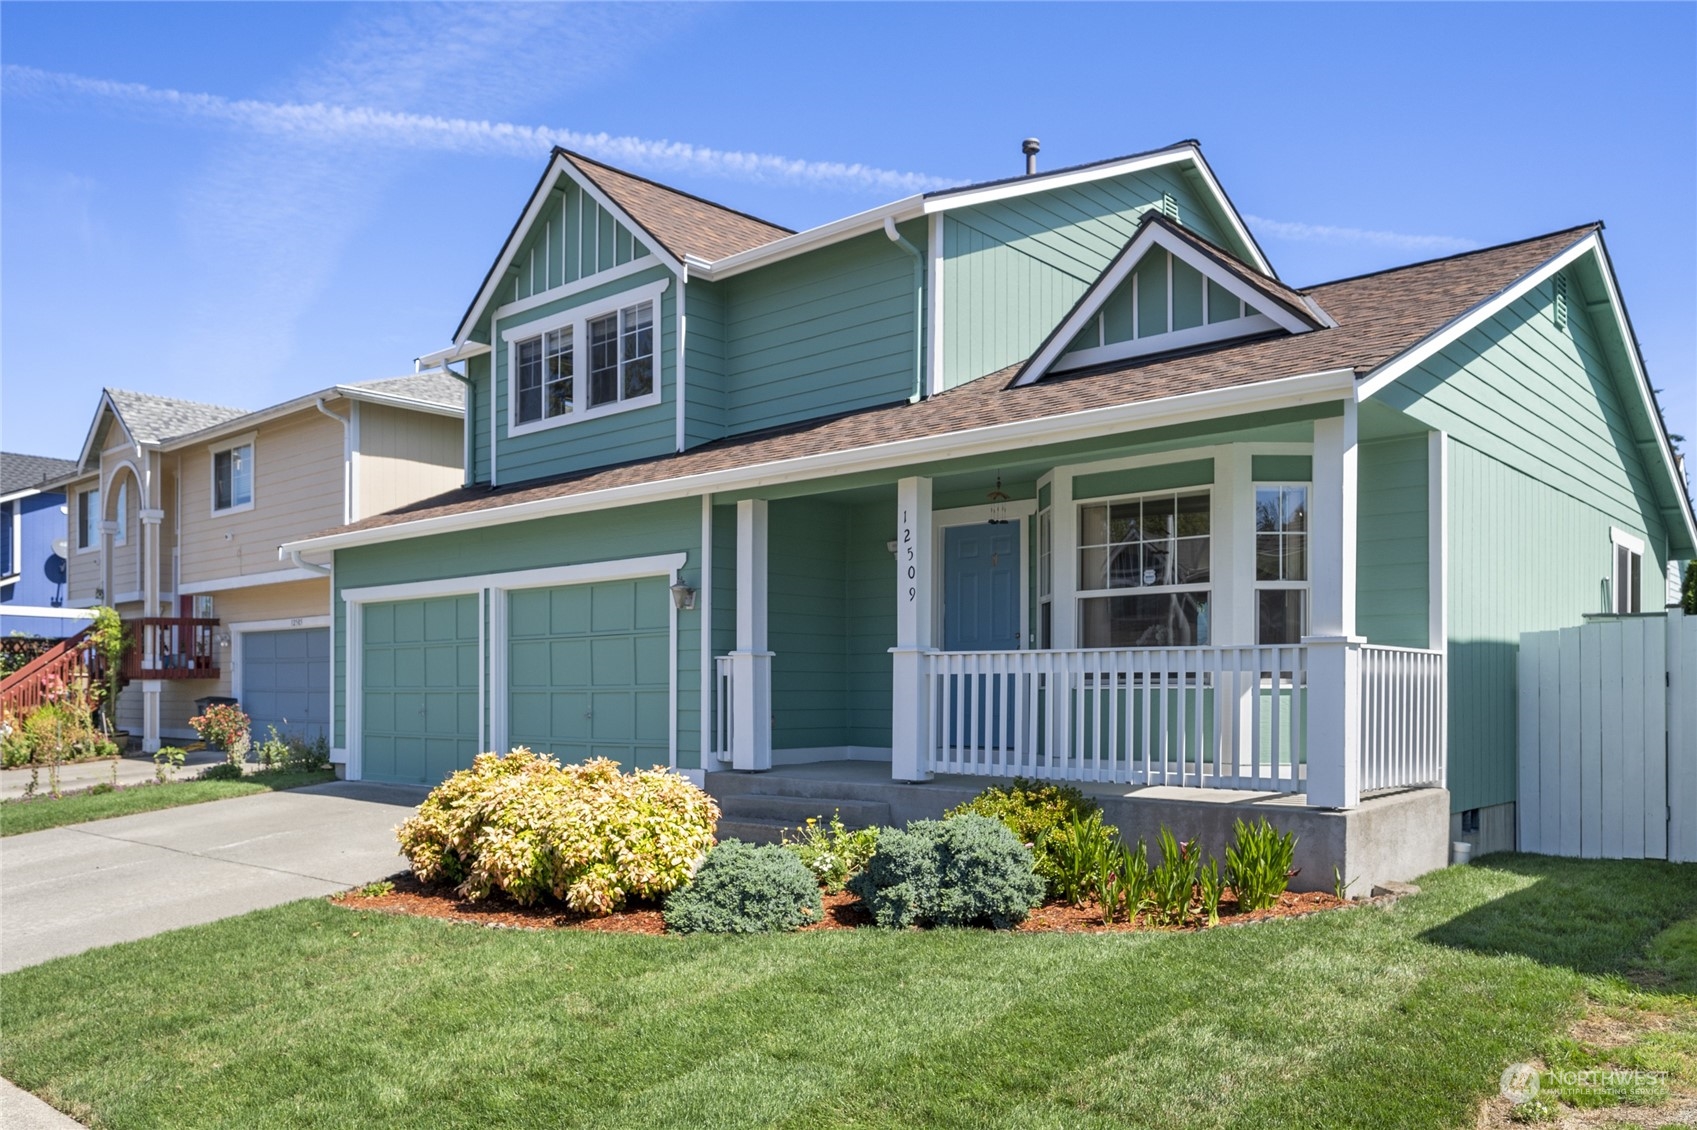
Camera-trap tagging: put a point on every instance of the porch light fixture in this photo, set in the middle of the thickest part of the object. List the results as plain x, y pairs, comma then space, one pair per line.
998, 504
683, 597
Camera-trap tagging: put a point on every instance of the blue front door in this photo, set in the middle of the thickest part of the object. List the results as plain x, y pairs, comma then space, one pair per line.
981, 587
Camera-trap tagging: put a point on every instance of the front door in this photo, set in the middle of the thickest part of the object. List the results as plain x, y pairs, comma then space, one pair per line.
981, 590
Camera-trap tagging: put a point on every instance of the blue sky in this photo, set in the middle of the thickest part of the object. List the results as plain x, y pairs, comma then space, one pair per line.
242, 203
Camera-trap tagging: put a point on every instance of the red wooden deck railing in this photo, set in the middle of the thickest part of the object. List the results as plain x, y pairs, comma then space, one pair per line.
70, 662
172, 647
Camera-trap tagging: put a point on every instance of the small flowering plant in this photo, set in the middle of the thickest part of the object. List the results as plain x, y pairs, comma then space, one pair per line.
223, 727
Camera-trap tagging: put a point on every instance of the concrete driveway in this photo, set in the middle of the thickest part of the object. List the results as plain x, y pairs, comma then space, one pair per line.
70, 889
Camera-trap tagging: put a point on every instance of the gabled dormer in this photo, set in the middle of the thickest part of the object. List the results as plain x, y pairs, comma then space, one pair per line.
1169, 289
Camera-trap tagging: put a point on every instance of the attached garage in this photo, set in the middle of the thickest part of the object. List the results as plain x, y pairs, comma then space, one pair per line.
589, 670
419, 688
285, 681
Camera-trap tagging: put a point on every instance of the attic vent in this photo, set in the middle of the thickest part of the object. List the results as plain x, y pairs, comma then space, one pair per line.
1169, 206
1559, 309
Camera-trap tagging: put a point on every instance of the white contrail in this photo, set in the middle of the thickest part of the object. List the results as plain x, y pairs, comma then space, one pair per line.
1324, 233
331, 124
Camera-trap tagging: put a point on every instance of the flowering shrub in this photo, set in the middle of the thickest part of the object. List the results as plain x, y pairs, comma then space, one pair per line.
830, 851
60, 729
587, 834
223, 727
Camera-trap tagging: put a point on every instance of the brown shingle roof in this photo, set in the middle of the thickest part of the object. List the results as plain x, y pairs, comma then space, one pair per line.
680, 223
1378, 315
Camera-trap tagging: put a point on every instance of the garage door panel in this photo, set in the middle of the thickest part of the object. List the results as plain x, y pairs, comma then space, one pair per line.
441, 622
379, 669
409, 622
281, 686
409, 666
420, 717
529, 664
441, 667
609, 660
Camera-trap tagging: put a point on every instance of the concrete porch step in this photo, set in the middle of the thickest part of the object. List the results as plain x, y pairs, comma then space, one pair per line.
751, 831
793, 811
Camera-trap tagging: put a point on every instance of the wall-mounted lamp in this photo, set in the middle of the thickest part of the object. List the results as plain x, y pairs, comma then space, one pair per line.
683, 597
890, 545
223, 639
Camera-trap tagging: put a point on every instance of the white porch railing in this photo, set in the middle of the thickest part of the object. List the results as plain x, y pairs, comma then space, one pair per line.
1222, 717
1404, 718
722, 712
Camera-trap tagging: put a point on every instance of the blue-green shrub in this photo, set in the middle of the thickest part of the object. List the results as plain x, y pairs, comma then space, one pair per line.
968, 870
744, 889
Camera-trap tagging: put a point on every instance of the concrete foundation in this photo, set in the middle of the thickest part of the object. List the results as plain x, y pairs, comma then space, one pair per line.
1395, 837
1487, 829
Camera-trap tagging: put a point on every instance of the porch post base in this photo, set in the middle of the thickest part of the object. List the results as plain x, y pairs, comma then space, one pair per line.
910, 724
751, 710
1334, 720
150, 691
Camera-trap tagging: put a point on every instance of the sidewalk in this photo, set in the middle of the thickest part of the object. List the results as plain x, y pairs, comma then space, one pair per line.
74, 776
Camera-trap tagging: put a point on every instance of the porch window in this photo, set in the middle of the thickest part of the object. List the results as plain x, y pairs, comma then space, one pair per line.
1281, 562
1143, 571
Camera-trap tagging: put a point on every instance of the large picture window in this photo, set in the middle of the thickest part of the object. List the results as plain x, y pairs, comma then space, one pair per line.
1281, 562
1144, 571
617, 348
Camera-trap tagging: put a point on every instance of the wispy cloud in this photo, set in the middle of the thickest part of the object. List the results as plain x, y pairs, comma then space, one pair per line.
1325, 233
331, 125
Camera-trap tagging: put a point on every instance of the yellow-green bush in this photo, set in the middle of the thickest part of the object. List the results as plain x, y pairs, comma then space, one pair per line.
586, 834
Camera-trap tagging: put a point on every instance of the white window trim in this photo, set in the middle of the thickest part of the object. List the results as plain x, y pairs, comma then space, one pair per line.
251, 442
1080, 595
93, 545
1620, 539
13, 568
577, 319
1281, 585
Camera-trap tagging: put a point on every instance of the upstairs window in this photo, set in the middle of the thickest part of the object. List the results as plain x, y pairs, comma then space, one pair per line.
618, 354
121, 515
1144, 571
232, 478
1281, 562
88, 519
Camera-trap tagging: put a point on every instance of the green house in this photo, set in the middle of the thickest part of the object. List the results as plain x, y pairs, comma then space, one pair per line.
1046, 477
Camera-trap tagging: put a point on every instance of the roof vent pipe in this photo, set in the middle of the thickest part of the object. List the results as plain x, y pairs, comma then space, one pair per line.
1029, 147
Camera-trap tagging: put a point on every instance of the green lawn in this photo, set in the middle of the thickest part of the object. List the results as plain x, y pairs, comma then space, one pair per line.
36, 813
313, 1015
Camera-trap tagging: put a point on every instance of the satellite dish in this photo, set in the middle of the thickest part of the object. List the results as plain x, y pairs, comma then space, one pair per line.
60, 545
54, 567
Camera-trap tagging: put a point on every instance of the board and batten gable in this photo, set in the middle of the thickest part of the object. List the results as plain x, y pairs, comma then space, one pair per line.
1012, 269
575, 539
1547, 454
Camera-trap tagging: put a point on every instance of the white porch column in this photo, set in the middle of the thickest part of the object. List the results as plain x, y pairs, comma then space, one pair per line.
910, 728
150, 688
751, 662
1334, 650
1232, 614
108, 583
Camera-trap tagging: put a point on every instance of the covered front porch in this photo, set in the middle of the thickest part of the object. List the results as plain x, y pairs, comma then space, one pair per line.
1173, 614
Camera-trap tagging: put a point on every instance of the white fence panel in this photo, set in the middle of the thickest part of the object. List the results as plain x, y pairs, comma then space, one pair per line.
1608, 740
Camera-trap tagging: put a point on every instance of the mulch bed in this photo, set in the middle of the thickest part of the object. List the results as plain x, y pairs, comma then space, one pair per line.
842, 912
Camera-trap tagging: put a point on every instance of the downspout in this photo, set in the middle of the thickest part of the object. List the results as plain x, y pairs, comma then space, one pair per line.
347, 459
299, 563
918, 307
468, 419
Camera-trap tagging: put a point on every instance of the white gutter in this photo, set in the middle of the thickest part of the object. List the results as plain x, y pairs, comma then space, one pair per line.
1284, 392
918, 307
295, 556
347, 458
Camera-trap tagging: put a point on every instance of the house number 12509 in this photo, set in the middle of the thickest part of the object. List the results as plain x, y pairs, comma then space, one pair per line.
910, 560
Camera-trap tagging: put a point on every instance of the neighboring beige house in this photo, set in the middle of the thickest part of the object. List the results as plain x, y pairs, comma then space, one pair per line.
176, 512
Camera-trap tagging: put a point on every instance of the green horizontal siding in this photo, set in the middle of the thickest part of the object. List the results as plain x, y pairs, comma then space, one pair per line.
1392, 567
638, 531
1014, 268
595, 440
704, 362
805, 613
477, 416
1136, 480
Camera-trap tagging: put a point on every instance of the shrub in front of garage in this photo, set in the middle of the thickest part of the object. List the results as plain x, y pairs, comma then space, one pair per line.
586, 835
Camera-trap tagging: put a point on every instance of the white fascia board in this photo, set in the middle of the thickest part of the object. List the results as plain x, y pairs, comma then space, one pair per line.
1044, 182
249, 423
27, 492
410, 403
532, 210
1283, 392
871, 220
1237, 223
248, 581
1429, 346
1154, 235
105, 405
461, 351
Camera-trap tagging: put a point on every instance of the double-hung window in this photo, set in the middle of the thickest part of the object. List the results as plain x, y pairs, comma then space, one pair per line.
617, 345
88, 519
1281, 562
232, 477
121, 515
1143, 570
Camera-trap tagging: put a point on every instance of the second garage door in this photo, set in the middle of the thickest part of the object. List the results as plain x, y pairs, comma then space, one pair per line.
418, 697
589, 671
286, 682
